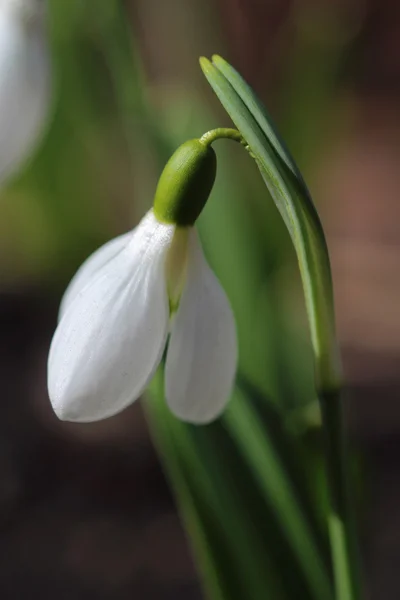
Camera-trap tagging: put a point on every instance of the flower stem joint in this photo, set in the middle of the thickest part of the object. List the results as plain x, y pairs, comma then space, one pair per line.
145, 290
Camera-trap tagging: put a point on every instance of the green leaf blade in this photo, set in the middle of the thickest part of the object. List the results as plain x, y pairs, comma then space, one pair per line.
298, 212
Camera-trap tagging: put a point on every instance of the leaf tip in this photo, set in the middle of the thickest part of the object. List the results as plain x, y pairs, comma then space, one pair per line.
217, 59
205, 64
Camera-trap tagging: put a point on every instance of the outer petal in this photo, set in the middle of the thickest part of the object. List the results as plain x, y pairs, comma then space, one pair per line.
202, 353
24, 81
111, 339
94, 263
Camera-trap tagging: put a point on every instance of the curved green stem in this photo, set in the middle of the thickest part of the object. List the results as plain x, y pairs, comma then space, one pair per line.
222, 133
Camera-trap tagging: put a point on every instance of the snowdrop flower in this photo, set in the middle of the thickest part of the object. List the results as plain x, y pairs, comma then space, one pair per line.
134, 293
24, 80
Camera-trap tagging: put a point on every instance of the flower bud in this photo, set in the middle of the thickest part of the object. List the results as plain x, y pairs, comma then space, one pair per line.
185, 184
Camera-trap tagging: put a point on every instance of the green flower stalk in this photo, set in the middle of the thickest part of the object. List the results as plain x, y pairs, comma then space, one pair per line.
293, 200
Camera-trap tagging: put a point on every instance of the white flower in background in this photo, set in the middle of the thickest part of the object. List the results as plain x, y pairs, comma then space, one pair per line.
24, 81
121, 307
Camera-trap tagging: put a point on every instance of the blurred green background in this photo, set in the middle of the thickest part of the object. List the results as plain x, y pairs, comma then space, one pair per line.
85, 510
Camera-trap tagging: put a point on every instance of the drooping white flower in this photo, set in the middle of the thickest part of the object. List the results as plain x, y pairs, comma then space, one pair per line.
139, 291
24, 81
115, 320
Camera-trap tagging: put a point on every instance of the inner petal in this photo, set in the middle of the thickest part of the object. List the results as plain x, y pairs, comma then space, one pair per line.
176, 266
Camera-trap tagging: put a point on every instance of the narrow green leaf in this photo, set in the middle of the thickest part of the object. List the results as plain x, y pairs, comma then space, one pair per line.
259, 112
213, 511
245, 499
266, 465
295, 205
187, 501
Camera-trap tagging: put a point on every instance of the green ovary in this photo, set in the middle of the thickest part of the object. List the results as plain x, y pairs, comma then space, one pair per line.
185, 184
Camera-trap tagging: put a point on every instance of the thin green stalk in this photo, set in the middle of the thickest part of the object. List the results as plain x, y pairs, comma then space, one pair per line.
340, 519
222, 133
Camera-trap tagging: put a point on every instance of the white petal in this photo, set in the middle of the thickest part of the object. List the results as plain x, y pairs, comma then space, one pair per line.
94, 263
202, 353
24, 83
111, 339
